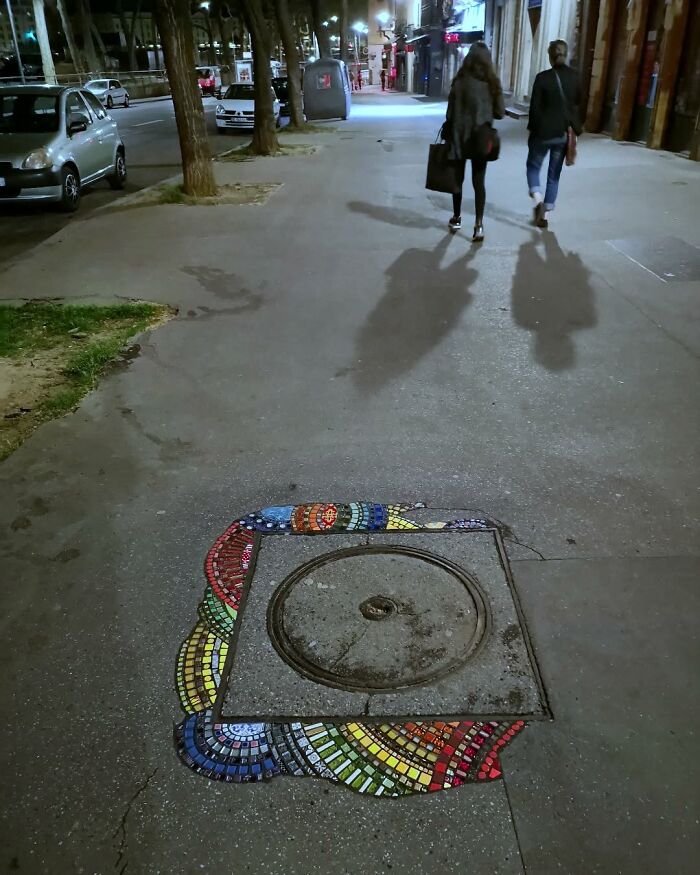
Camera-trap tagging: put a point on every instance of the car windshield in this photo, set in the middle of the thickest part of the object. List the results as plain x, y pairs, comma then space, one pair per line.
28, 113
98, 84
204, 72
240, 92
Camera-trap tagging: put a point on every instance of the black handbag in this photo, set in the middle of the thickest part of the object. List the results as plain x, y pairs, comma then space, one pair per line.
442, 173
485, 143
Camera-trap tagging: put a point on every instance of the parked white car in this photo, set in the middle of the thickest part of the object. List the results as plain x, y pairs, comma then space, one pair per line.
53, 142
110, 92
237, 108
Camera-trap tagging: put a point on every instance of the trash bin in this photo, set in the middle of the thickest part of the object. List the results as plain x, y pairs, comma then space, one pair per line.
327, 90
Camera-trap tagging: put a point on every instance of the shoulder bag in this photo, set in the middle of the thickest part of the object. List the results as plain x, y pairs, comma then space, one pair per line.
570, 133
485, 143
442, 173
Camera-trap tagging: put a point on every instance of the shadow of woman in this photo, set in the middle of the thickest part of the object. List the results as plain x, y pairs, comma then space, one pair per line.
403, 218
421, 306
392, 215
552, 297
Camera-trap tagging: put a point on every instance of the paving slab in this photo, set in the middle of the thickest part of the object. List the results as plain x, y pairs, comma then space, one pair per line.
611, 785
385, 627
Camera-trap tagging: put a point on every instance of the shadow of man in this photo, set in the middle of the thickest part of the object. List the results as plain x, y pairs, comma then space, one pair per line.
421, 306
403, 218
552, 296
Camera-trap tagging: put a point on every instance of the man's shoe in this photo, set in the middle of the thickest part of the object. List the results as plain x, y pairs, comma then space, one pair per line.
455, 223
478, 236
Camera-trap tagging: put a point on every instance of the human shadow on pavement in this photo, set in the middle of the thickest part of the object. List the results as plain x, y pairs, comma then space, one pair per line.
421, 306
392, 215
411, 219
552, 297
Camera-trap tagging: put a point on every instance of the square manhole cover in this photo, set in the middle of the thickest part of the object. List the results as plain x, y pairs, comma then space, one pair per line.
420, 625
668, 258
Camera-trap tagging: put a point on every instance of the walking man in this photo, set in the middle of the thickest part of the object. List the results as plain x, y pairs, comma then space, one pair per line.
554, 108
382, 76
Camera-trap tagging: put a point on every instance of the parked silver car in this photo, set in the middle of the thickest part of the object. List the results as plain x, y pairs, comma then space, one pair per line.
109, 92
55, 140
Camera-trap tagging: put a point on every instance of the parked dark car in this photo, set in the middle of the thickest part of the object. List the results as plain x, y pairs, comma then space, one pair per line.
9, 69
281, 86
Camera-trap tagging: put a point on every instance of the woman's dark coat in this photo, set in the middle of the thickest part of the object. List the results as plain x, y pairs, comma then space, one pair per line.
471, 104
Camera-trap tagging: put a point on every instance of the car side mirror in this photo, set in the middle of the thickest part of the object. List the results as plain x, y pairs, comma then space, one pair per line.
77, 125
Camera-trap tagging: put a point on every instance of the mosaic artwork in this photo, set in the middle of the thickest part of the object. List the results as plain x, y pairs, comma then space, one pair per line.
382, 760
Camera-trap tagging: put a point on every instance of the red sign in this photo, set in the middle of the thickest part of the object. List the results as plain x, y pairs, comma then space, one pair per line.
451, 37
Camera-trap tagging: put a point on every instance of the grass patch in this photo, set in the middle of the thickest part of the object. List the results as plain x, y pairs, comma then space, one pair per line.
308, 128
232, 194
172, 194
246, 153
52, 355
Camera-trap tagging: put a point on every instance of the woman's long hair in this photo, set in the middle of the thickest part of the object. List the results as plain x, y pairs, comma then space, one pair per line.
478, 64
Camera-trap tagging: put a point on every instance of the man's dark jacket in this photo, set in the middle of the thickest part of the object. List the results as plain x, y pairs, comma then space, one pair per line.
550, 115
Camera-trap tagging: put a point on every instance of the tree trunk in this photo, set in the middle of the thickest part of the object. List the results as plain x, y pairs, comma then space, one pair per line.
289, 41
129, 31
343, 28
42, 36
264, 134
223, 37
88, 42
132, 36
67, 26
175, 28
100, 42
323, 37
156, 40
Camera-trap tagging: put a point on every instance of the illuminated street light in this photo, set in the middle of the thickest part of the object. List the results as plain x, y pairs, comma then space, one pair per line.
324, 23
205, 4
359, 27
334, 18
383, 17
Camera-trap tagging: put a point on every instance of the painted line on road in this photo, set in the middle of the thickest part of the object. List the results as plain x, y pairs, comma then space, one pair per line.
154, 122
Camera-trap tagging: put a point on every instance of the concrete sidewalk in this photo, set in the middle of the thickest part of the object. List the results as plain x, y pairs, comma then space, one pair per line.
338, 344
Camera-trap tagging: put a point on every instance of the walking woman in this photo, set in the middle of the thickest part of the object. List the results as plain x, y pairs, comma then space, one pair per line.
476, 98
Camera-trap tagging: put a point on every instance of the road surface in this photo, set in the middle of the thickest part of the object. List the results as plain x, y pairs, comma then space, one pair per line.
153, 153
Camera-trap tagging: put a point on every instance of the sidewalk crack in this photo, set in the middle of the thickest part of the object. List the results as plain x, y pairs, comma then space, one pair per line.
121, 829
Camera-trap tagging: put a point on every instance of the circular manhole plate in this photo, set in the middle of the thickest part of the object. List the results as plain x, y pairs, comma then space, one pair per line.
377, 618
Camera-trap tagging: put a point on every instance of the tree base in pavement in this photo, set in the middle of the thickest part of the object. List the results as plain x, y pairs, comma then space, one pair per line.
175, 27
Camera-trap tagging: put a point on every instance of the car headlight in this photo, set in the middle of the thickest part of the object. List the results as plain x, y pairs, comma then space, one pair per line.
37, 160
220, 110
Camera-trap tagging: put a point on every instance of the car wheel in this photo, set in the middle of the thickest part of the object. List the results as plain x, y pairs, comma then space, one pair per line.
126, 100
70, 190
110, 102
117, 180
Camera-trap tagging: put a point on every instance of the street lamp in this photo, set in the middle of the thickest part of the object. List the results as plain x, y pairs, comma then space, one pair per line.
384, 18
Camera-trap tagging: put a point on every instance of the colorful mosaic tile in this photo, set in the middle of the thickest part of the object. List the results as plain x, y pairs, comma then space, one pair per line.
380, 760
